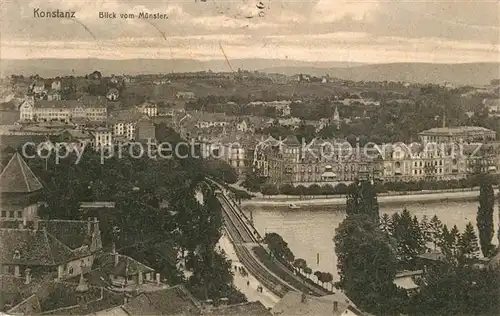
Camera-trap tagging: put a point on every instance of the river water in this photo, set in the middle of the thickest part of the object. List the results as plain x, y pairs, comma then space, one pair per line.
309, 230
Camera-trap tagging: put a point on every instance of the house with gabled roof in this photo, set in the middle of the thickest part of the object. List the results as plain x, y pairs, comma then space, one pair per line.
172, 301
64, 298
127, 274
113, 94
60, 248
20, 190
295, 303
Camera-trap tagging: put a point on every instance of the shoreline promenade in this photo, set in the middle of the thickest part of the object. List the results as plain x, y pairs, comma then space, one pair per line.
382, 199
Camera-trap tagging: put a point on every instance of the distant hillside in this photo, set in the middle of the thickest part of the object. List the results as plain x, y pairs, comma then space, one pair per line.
460, 74
58, 67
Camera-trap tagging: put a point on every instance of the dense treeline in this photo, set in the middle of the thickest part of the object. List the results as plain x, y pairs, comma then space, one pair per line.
256, 185
371, 250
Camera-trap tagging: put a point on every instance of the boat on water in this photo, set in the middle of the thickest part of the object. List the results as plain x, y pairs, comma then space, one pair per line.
293, 206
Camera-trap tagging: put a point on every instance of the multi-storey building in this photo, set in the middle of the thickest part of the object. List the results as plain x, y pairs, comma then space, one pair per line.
148, 108
185, 95
103, 137
322, 161
420, 162
466, 134
88, 108
211, 124
233, 149
124, 124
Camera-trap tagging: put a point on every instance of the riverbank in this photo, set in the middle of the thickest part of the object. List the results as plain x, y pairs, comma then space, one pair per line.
384, 199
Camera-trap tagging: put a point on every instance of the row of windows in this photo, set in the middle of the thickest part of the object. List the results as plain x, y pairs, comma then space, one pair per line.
421, 164
12, 214
415, 172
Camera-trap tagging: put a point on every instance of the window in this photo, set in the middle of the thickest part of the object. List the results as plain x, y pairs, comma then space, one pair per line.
19, 214
4, 213
70, 270
11, 213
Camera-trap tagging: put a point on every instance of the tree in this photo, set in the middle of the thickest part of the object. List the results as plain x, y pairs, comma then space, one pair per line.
278, 247
317, 274
425, 228
409, 239
366, 262
485, 216
468, 242
327, 277
435, 230
386, 224
461, 291
307, 271
362, 199
299, 264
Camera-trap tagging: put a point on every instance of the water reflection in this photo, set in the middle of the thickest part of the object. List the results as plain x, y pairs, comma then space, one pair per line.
309, 231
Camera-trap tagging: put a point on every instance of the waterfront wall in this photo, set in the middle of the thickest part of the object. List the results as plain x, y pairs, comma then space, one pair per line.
383, 198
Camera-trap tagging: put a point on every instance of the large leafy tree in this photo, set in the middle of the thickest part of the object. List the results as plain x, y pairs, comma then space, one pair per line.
462, 291
485, 216
367, 264
362, 199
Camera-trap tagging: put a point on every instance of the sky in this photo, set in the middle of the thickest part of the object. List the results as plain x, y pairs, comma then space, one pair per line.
367, 31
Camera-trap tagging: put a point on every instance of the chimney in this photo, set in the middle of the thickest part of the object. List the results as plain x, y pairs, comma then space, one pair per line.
140, 278
335, 306
158, 279
28, 276
96, 224
117, 258
89, 226
303, 298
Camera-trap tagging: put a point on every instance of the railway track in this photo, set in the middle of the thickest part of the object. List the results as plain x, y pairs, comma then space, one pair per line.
240, 237
241, 234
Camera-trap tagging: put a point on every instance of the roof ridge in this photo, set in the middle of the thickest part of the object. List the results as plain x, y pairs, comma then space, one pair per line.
22, 170
30, 182
13, 308
44, 232
57, 240
190, 296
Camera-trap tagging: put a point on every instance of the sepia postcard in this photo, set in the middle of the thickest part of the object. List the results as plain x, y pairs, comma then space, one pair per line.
245, 157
